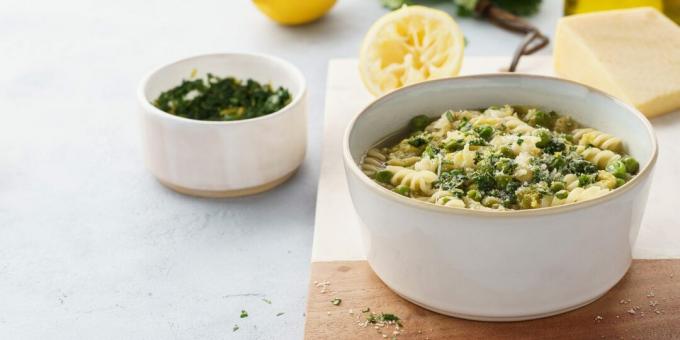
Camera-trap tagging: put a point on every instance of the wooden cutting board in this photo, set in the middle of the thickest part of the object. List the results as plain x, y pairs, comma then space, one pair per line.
651, 285
337, 254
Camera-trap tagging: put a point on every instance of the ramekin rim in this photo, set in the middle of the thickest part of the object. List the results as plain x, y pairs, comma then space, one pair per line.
293, 70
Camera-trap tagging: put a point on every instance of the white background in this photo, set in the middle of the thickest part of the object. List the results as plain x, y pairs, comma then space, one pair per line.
91, 246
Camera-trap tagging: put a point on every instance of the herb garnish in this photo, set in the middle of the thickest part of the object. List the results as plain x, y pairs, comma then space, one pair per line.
244, 314
222, 99
336, 302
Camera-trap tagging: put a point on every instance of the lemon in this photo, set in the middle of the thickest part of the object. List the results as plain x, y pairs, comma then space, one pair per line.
294, 12
410, 45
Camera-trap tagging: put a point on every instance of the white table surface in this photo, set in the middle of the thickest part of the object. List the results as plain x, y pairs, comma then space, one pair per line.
91, 246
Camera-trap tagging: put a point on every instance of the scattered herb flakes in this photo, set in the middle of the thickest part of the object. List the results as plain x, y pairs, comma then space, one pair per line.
244, 314
280, 313
336, 302
267, 301
236, 327
383, 318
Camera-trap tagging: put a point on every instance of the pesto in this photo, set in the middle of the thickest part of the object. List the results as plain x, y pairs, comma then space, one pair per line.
222, 99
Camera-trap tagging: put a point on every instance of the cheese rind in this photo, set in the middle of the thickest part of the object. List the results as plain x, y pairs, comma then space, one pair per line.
631, 54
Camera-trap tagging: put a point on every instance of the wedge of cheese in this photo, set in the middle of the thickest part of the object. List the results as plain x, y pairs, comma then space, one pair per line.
632, 54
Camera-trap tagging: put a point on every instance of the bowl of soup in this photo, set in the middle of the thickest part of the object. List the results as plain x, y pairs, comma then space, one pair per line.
223, 125
499, 197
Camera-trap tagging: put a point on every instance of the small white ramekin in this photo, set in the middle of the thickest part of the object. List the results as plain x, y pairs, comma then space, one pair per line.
224, 159
506, 265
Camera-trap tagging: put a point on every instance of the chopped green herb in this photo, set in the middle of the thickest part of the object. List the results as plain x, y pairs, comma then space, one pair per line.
449, 116
279, 313
417, 141
485, 132
374, 318
236, 327
244, 314
267, 301
222, 99
336, 301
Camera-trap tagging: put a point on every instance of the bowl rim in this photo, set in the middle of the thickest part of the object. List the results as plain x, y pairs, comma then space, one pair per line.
291, 69
353, 167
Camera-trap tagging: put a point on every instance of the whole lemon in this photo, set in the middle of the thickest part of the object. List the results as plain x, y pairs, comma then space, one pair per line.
294, 12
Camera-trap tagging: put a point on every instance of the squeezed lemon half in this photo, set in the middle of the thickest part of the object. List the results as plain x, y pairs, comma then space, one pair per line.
410, 45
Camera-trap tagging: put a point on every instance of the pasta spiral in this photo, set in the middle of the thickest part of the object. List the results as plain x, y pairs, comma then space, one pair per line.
597, 138
516, 125
462, 159
426, 163
373, 162
570, 181
408, 161
446, 198
599, 157
419, 181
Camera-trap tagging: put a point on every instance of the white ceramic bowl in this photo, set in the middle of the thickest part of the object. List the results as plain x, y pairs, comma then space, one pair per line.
222, 159
499, 266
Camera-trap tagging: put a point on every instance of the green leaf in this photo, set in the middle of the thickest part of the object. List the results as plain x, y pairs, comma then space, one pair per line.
395, 4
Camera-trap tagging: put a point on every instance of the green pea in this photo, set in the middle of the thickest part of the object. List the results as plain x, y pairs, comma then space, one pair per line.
507, 152
384, 176
562, 194
545, 137
485, 132
557, 186
632, 165
620, 182
475, 195
419, 123
402, 190
617, 168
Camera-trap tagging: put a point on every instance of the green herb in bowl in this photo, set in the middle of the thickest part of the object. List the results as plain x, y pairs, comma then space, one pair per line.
222, 99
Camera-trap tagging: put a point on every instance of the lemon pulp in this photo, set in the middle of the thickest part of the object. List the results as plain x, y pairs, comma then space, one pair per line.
410, 45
